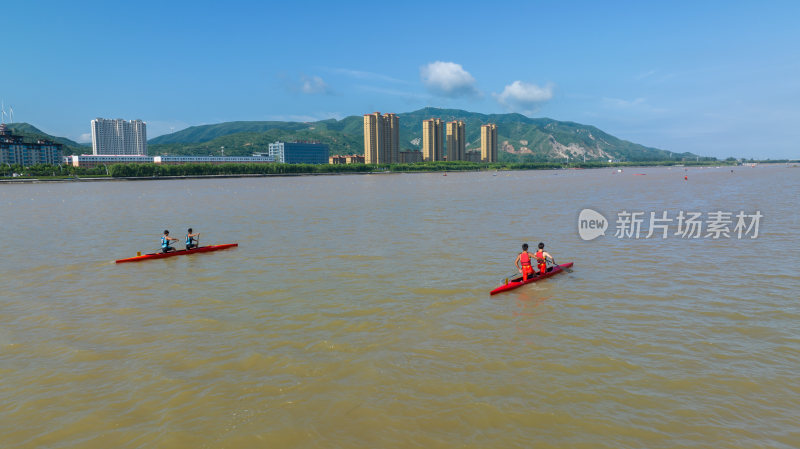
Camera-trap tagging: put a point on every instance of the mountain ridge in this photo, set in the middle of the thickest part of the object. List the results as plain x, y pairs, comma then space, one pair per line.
520, 138
32, 132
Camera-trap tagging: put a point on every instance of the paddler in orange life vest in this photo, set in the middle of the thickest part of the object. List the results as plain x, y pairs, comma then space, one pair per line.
541, 258
523, 262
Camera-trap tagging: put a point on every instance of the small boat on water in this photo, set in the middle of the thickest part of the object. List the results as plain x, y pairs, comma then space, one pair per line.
517, 281
160, 255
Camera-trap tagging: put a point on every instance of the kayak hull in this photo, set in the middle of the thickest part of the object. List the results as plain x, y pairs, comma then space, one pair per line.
517, 282
202, 249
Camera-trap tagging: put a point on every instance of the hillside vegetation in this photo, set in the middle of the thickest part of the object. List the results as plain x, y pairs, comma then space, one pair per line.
521, 139
32, 133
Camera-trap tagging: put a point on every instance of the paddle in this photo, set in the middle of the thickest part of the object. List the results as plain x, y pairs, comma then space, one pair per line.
514, 275
169, 244
519, 275
196, 241
568, 270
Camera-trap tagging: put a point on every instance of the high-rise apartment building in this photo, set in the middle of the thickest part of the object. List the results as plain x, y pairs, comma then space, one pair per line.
381, 138
19, 150
373, 138
391, 137
119, 137
489, 143
456, 143
432, 134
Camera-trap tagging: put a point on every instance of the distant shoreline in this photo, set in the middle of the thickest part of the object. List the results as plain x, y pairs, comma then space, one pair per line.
28, 180
162, 178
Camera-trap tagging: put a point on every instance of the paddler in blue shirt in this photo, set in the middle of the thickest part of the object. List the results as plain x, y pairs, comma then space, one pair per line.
165, 239
191, 242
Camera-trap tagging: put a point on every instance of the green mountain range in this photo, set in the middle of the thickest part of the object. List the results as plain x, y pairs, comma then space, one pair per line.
34, 133
520, 138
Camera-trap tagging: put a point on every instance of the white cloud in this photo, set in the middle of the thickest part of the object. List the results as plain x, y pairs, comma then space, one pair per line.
313, 85
447, 79
620, 103
85, 138
524, 96
362, 75
644, 75
399, 93
636, 106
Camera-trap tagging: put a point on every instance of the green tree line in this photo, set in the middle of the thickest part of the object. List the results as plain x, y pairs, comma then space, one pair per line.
152, 170
50, 170
155, 170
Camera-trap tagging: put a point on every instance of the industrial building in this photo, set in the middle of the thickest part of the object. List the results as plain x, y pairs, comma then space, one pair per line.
299, 152
346, 159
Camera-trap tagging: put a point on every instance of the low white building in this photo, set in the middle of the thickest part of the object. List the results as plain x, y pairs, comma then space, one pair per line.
94, 160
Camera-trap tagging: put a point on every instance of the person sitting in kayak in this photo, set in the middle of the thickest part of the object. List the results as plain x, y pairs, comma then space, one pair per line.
191, 242
523, 263
541, 258
165, 239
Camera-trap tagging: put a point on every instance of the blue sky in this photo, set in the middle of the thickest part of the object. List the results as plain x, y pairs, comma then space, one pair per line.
714, 78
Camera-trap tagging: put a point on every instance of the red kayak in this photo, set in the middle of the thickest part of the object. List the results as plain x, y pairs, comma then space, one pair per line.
518, 282
202, 249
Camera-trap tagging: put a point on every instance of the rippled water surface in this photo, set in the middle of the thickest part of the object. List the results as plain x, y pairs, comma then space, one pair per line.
356, 314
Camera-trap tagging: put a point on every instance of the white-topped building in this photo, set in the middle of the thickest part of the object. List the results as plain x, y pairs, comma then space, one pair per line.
95, 160
119, 137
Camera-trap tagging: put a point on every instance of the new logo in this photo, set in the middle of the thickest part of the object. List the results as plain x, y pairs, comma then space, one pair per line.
591, 224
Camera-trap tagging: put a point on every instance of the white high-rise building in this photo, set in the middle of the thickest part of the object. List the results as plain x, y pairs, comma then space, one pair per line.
119, 137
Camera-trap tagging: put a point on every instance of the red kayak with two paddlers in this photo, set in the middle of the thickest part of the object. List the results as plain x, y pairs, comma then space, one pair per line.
159, 255
517, 281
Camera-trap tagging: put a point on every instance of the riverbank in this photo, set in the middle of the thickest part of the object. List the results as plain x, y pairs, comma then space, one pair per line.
144, 172
162, 178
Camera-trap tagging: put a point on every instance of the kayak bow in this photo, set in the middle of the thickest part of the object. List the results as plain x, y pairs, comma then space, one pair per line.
518, 282
202, 249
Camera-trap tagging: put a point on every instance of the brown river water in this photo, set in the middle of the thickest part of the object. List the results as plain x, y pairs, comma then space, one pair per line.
356, 313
